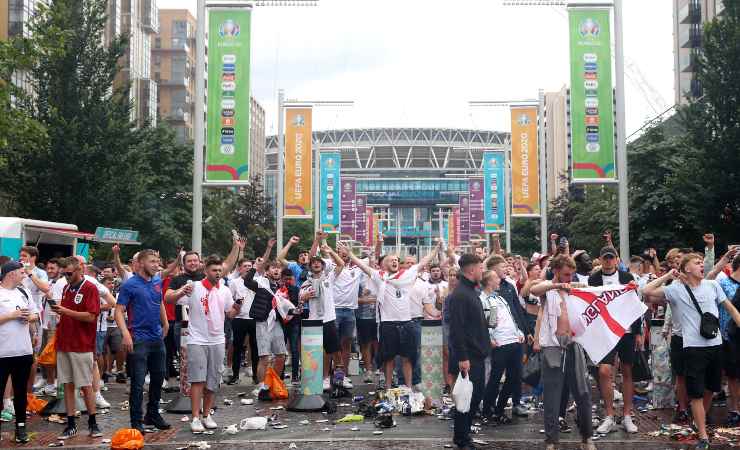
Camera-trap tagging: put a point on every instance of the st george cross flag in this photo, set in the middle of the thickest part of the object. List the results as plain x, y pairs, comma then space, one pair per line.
599, 316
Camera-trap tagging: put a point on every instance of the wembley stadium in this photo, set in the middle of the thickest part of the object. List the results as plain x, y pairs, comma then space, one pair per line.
410, 176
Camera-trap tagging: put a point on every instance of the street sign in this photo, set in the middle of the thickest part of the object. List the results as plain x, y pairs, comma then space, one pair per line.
115, 235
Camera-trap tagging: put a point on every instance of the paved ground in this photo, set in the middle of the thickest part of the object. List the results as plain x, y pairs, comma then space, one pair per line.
411, 432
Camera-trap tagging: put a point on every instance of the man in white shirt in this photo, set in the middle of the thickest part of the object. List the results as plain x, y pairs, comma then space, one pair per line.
209, 302
397, 337
702, 354
37, 283
242, 325
50, 319
345, 292
318, 291
422, 295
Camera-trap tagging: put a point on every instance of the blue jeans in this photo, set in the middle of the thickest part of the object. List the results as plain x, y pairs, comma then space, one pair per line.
293, 335
345, 323
415, 326
146, 357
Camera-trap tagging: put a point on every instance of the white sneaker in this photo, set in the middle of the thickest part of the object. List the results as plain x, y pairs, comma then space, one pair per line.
327, 384
164, 384
8, 406
607, 426
100, 402
617, 396
629, 425
39, 383
196, 426
209, 422
347, 383
248, 372
50, 390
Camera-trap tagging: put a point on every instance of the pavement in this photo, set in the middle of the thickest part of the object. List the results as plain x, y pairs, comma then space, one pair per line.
321, 431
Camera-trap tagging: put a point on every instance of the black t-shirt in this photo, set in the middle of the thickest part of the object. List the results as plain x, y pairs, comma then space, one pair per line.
180, 281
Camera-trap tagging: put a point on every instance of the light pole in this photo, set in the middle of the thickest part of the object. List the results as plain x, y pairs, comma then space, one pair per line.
621, 147
199, 132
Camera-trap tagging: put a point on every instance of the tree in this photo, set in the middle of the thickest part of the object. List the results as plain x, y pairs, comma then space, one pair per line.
713, 126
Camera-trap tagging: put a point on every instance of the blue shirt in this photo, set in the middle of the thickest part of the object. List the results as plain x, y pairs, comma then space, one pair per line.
142, 300
729, 285
297, 270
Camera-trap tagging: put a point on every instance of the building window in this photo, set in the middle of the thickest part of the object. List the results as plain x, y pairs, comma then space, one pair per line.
179, 67
158, 43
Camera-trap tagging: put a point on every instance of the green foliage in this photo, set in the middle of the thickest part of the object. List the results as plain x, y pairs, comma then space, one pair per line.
303, 228
525, 236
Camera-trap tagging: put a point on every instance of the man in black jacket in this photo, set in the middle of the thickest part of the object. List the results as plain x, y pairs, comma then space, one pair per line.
469, 341
609, 274
507, 290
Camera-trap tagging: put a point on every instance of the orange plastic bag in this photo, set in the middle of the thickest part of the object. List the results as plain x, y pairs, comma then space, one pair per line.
48, 356
277, 387
127, 439
33, 404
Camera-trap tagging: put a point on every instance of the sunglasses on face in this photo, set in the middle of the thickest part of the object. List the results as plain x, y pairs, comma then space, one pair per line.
68, 274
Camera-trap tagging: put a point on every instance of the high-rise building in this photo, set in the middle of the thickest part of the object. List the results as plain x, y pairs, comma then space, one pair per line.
556, 142
139, 21
688, 18
257, 140
173, 66
14, 21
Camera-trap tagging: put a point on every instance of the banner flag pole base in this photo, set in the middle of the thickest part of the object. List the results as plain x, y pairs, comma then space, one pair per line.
308, 396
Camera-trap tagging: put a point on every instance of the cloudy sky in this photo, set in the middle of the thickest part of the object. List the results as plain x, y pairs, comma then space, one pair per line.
417, 63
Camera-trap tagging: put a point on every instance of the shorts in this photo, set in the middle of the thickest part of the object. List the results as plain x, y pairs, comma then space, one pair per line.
76, 368
626, 349
100, 343
345, 323
113, 339
731, 359
270, 342
331, 337
367, 331
228, 333
398, 339
677, 357
206, 365
703, 370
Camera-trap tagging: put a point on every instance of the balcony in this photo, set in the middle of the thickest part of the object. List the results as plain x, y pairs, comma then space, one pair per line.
149, 16
177, 81
687, 61
179, 115
690, 13
690, 36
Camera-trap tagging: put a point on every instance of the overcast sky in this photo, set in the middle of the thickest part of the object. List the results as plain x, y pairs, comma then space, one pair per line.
417, 63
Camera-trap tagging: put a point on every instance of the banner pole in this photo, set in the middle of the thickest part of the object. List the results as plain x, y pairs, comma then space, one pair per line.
200, 57
507, 195
621, 147
543, 172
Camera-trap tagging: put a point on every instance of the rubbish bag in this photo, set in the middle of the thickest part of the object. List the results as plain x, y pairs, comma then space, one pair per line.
277, 386
641, 368
127, 439
532, 370
48, 356
33, 404
462, 393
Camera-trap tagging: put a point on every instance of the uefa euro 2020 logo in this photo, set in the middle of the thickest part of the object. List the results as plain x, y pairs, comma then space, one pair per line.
523, 120
229, 29
299, 120
589, 28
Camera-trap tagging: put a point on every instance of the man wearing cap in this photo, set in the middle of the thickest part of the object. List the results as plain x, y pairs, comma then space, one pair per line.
609, 274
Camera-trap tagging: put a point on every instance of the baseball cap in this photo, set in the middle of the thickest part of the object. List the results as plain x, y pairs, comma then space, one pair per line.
9, 267
608, 251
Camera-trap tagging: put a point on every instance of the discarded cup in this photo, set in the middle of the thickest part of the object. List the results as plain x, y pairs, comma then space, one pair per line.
231, 429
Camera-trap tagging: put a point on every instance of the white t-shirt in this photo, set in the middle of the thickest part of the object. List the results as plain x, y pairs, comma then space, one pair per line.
610, 280
238, 290
207, 310
36, 293
582, 278
346, 285
421, 293
326, 297
506, 331
709, 295
56, 289
15, 338
393, 293
552, 309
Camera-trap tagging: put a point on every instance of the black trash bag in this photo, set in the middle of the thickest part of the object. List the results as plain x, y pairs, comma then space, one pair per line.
641, 367
532, 370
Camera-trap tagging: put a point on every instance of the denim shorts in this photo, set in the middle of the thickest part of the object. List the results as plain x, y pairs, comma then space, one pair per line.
100, 342
345, 323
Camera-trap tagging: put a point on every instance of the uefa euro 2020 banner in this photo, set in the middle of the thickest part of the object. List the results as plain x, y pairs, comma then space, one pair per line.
524, 163
591, 96
494, 216
298, 158
227, 121
329, 202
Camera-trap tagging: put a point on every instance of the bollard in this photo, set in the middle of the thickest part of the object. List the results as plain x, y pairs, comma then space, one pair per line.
432, 372
309, 398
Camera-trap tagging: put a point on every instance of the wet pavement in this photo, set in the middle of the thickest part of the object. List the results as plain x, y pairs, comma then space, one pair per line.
318, 430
